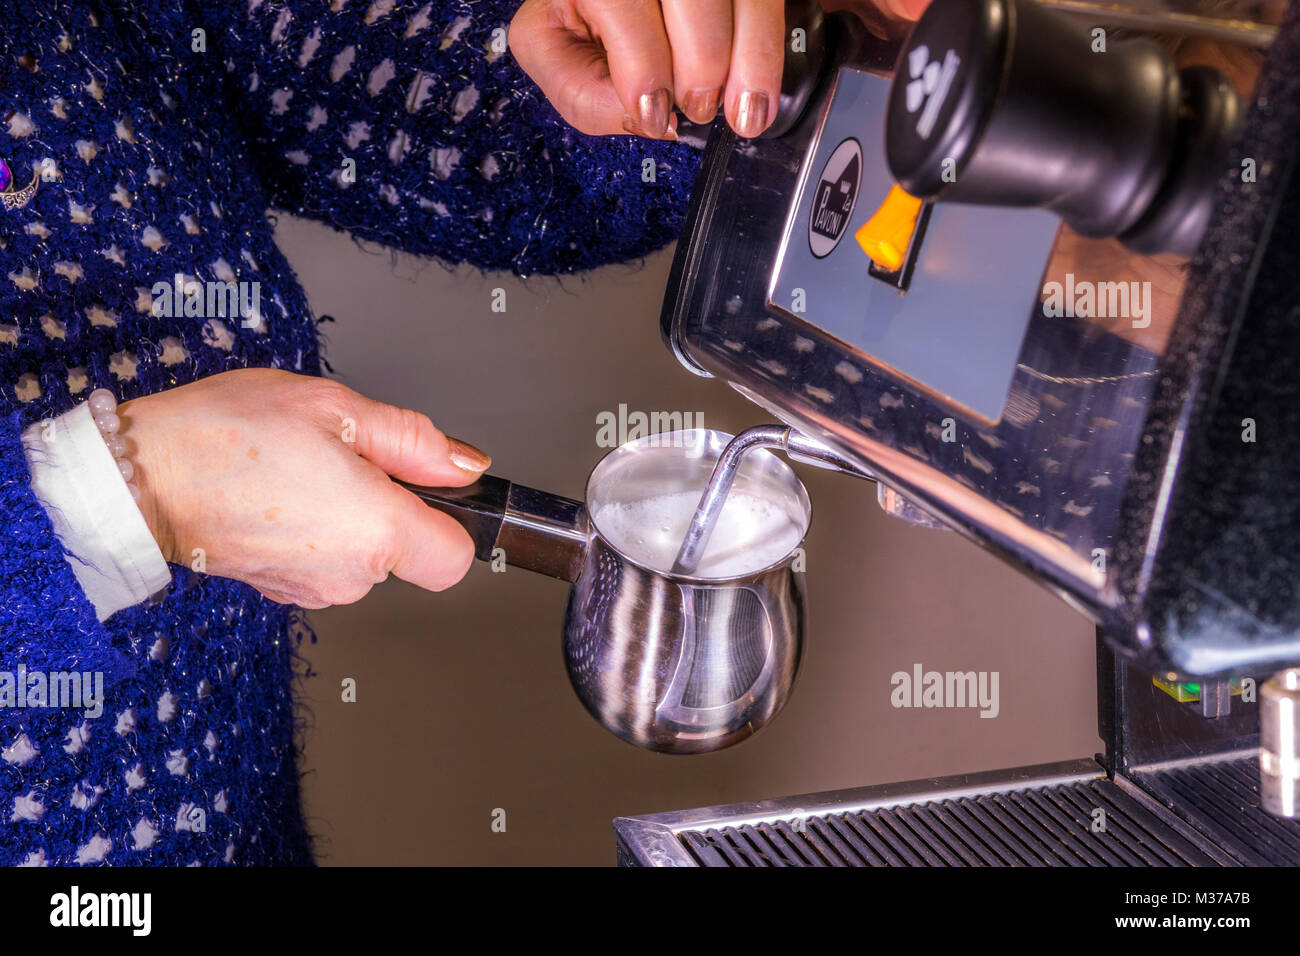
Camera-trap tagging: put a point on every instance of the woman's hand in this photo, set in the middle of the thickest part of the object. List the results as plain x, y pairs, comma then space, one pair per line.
282, 481
896, 11
618, 66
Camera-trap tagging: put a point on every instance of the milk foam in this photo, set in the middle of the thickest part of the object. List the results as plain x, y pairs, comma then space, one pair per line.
751, 533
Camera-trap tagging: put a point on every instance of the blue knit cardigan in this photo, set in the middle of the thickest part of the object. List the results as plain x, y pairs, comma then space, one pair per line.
166, 130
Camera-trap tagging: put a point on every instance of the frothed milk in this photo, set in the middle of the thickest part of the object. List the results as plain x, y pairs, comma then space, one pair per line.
751, 533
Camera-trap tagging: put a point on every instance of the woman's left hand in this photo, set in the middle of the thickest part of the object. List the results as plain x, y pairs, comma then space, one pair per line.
619, 66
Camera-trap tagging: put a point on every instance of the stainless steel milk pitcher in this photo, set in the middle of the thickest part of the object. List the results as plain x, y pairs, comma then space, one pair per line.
674, 663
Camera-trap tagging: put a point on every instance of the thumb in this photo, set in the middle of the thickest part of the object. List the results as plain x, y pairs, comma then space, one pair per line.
431, 550
406, 445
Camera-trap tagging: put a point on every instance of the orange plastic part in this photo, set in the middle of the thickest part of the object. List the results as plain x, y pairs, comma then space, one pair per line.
885, 236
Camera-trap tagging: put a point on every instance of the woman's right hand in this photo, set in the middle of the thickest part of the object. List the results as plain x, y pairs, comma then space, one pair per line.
282, 481
619, 66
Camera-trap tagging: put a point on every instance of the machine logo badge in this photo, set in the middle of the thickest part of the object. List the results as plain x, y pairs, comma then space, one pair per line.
837, 194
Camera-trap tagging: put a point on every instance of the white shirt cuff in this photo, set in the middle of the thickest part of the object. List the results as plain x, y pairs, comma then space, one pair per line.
112, 553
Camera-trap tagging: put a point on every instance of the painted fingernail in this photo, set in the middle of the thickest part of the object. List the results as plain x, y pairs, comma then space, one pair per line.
751, 114
466, 457
701, 106
652, 111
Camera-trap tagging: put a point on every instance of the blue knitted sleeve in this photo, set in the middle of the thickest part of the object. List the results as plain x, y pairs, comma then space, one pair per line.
46, 622
409, 122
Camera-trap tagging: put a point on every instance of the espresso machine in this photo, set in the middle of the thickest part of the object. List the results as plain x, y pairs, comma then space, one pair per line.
902, 273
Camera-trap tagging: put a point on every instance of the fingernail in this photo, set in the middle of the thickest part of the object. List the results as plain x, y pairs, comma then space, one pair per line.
466, 457
652, 115
701, 106
751, 114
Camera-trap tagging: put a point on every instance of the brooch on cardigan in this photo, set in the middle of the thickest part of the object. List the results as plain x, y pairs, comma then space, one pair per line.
16, 198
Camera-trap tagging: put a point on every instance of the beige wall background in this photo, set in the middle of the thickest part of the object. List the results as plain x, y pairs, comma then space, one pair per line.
463, 706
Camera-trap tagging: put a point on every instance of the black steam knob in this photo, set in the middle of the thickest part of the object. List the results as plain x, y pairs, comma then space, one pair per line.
1006, 103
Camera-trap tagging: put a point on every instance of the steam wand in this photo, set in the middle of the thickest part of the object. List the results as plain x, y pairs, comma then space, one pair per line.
724, 474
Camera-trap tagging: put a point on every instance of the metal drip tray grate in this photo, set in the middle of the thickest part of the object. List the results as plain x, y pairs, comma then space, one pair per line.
1050, 826
1037, 816
1221, 799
